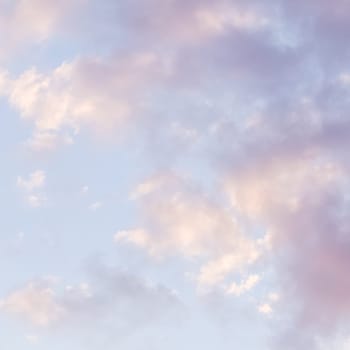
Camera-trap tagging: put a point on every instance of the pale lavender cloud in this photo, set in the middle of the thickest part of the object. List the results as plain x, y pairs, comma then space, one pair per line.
110, 305
179, 219
96, 94
26, 23
289, 174
250, 101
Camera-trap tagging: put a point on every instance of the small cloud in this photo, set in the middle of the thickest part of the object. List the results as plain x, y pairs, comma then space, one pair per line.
49, 302
84, 189
95, 206
265, 309
32, 338
36, 201
136, 236
34, 181
36, 302
274, 297
20, 236
344, 78
244, 286
144, 189
31, 185
47, 141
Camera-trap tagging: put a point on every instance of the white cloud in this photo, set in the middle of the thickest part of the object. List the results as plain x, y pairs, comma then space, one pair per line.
84, 189
95, 206
215, 21
138, 237
25, 22
113, 298
274, 297
182, 221
282, 183
243, 287
34, 181
267, 306
195, 22
47, 141
36, 303
32, 338
265, 309
36, 201
214, 271
294, 185
31, 186
95, 93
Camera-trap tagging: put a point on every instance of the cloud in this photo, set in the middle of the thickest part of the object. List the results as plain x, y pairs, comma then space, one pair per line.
189, 46
32, 186
36, 200
265, 309
180, 220
35, 302
276, 136
244, 286
27, 22
84, 190
290, 176
114, 303
93, 93
103, 93
32, 339
35, 180
236, 45
189, 22
47, 141
95, 206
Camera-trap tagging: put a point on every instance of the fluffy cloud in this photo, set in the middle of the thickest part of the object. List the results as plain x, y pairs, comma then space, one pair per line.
190, 22
242, 46
35, 180
99, 94
181, 220
265, 309
275, 75
32, 187
24, 22
223, 41
295, 185
112, 297
36, 303
244, 286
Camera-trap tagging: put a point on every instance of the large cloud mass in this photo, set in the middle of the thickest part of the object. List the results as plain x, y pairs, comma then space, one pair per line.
251, 99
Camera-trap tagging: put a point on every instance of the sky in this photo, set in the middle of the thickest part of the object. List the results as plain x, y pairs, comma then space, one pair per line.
175, 174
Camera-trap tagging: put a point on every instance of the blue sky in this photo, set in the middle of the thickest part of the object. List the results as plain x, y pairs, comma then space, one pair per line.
174, 174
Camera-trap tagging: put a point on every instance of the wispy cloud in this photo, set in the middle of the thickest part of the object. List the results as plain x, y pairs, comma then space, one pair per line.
218, 134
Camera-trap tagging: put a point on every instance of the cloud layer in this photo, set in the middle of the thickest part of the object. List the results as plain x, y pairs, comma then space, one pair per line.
228, 126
